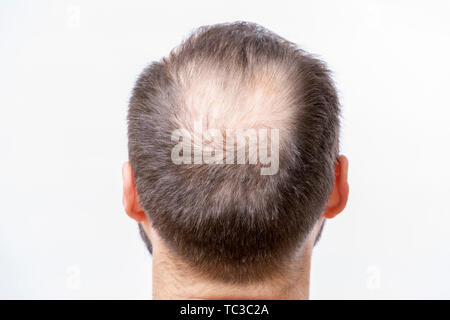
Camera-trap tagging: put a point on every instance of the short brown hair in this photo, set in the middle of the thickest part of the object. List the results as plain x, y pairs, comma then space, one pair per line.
227, 221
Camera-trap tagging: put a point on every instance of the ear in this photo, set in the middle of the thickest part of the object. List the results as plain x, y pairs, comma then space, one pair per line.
339, 196
130, 198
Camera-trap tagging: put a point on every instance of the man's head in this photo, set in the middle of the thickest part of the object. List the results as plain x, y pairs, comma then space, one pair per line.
225, 219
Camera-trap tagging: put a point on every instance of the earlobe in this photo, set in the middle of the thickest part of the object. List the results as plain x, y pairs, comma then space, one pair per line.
130, 197
339, 195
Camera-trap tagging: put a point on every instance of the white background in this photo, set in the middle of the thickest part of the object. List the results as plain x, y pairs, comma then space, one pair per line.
66, 72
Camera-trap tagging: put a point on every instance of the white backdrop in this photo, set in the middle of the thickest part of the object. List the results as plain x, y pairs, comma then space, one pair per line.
66, 71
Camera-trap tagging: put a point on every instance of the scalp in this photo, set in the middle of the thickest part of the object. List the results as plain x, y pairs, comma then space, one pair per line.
228, 222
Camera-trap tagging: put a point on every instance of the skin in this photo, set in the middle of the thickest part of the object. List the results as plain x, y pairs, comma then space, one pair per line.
173, 280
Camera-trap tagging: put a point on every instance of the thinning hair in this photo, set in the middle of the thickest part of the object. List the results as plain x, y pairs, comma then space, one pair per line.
227, 221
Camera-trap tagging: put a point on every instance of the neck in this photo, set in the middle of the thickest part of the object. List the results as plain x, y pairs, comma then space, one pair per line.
172, 282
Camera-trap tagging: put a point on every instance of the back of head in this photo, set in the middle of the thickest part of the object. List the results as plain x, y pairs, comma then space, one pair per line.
225, 219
